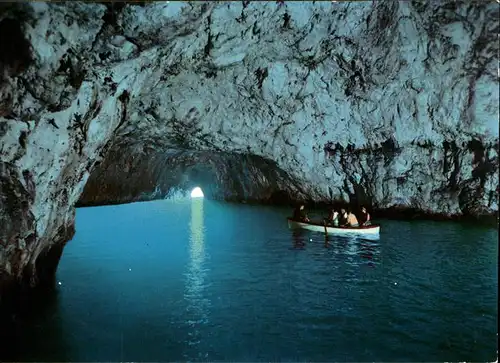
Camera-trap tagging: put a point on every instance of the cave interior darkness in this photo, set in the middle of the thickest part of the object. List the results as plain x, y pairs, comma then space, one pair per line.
126, 175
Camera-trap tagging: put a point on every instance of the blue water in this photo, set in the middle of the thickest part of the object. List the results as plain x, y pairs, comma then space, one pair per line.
207, 281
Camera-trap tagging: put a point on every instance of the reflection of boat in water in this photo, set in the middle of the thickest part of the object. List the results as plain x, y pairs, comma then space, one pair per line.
372, 230
298, 239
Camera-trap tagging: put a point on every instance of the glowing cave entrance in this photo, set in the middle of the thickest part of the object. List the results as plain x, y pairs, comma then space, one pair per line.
197, 193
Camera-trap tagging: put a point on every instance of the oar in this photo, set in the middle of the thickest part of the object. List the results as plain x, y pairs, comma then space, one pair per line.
326, 234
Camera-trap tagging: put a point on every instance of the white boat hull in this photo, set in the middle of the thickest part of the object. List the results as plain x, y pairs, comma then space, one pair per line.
372, 230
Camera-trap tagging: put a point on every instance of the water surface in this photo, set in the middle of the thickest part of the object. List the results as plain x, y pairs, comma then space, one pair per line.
201, 280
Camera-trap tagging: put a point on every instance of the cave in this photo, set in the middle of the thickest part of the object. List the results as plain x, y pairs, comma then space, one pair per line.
105, 105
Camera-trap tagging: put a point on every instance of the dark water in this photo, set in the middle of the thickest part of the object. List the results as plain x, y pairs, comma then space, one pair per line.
165, 281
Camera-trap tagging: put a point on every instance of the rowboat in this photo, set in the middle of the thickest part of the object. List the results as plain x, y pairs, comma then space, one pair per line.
371, 230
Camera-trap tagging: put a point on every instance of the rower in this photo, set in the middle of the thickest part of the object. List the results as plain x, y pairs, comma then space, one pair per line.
299, 214
364, 218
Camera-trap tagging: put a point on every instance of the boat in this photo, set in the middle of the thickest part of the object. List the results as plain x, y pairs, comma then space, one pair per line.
371, 230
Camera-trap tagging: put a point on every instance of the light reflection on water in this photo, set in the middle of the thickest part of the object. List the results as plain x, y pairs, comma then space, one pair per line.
197, 305
197, 280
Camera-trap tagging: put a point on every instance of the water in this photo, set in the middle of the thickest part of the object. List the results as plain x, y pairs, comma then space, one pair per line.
206, 281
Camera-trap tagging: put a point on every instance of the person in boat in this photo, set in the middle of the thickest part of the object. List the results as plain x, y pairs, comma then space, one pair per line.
333, 218
342, 217
364, 218
299, 214
347, 219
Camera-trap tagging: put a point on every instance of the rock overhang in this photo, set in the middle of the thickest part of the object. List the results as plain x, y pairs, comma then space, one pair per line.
157, 174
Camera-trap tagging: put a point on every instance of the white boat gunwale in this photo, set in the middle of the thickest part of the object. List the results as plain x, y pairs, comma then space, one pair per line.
319, 227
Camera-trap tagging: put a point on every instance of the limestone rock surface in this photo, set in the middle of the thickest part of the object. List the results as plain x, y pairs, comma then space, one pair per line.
386, 103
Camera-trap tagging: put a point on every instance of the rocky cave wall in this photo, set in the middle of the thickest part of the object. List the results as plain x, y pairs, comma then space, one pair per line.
411, 124
393, 104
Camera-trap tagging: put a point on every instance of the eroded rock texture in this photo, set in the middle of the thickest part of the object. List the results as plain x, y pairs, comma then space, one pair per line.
393, 104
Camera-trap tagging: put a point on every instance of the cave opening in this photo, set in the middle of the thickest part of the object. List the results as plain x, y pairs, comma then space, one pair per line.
197, 193
159, 174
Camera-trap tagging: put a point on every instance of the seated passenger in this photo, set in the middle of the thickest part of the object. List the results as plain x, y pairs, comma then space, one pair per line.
299, 214
333, 218
342, 218
352, 221
347, 219
364, 218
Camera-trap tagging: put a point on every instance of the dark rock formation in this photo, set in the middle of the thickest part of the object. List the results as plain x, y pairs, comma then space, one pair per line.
127, 177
